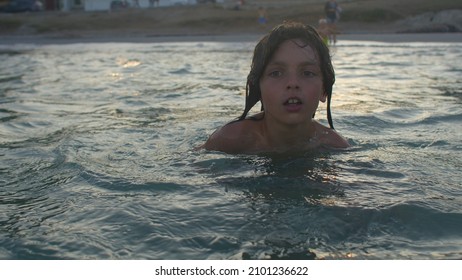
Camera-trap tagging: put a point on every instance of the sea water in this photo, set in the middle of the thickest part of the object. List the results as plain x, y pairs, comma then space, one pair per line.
97, 156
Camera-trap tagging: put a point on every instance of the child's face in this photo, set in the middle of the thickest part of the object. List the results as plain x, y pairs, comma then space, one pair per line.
291, 84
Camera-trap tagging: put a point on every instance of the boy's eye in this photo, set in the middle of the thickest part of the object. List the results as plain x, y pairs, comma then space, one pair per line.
275, 73
308, 73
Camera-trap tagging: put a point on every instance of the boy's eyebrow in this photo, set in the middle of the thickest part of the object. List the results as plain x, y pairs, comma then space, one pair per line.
309, 62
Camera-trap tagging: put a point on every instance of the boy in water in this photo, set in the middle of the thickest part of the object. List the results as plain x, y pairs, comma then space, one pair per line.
291, 73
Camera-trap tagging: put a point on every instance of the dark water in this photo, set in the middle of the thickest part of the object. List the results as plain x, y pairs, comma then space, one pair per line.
97, 159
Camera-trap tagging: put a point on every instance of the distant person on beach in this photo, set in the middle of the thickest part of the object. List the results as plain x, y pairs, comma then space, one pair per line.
332, 11
291, 72
262, 16
324, 30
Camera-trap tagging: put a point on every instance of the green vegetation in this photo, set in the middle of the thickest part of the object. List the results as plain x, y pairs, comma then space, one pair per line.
9, 24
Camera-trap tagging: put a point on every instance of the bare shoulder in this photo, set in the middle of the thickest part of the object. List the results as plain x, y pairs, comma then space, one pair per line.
331, 138
235, 137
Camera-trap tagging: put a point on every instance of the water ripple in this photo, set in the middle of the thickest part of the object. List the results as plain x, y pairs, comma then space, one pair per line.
97, 157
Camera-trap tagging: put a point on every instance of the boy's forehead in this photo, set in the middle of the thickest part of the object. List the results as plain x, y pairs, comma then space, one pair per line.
290, 48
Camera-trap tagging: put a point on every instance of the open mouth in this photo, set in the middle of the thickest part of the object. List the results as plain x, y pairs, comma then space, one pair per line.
293, 101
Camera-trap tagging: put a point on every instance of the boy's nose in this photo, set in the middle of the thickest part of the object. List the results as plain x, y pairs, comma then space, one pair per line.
292, 82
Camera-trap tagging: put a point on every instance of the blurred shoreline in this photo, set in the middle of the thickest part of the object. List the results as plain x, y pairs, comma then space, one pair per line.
373, 37
365, 20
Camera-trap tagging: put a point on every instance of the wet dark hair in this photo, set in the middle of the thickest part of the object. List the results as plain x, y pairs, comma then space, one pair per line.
268, 45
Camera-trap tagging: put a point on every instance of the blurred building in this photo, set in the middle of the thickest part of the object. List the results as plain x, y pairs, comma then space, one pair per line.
63, 5
105, 5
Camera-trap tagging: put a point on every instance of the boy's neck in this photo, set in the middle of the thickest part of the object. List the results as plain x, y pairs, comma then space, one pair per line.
283, 136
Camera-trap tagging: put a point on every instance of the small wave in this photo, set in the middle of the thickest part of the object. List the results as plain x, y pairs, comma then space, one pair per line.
181, 71
403, 115
125, 186
11, 79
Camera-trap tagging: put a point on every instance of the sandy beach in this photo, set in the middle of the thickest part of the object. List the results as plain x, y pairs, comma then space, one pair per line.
366, 20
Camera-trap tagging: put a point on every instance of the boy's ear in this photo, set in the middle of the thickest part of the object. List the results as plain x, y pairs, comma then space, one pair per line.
323, 97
